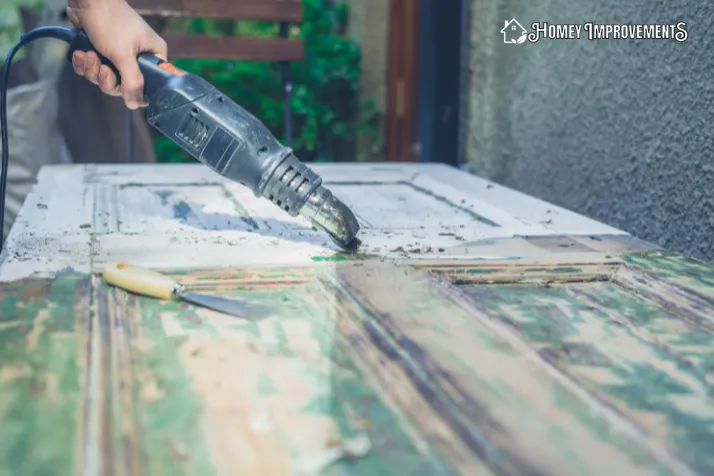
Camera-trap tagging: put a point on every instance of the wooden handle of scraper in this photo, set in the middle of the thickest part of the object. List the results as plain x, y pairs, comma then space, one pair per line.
140, 280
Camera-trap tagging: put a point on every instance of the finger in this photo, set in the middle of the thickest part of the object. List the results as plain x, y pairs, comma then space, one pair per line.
108, 81
91, 67
78, 59
132, 82
161, 49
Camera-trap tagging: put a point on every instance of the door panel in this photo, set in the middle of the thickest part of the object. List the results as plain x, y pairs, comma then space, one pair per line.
143, 209
180, 216
629, 353
511, 368
44, 355
198, 391
403, 205
518, 414
632, 336
475, 340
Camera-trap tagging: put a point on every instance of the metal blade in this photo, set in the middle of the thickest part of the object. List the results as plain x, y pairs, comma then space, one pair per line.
233, 307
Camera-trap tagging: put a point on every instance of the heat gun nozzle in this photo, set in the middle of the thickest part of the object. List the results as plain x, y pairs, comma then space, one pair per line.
328, 213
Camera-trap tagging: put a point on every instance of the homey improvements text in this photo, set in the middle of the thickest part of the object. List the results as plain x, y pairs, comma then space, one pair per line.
594, 31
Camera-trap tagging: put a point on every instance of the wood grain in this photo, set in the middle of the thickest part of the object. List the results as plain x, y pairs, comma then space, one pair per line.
215, 395
235, 48
498, 397
260, 10
44, 360
402, 81
526, 374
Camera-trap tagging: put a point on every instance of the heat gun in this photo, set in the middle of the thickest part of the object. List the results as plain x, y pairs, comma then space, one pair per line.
222, 135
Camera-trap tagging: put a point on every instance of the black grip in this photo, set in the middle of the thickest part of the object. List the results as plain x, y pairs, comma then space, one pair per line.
81, 43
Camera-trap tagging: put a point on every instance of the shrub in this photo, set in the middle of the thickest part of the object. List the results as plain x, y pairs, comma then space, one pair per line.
327, 115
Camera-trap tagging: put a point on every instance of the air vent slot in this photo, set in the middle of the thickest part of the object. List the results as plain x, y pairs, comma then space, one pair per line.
193, 132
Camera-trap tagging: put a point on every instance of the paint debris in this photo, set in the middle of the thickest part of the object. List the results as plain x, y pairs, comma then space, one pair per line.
348, 449
261, 422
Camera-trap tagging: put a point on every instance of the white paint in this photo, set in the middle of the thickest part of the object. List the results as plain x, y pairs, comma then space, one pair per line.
187, 216
520, 205
351, 448
261, 423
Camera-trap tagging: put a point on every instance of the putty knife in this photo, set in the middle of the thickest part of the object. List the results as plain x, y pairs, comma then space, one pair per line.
151, 283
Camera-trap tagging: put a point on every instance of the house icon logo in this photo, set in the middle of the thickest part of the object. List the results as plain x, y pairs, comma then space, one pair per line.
513, 32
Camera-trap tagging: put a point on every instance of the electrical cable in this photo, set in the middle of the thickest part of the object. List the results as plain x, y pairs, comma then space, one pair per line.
56, 32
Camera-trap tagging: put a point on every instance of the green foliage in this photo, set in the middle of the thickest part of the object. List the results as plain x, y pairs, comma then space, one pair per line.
327, 116
11, 24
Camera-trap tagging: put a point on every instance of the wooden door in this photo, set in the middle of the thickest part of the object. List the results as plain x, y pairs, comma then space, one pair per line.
479, 331
402, 81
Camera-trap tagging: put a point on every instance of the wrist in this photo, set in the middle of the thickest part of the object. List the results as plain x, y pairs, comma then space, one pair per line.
78, 9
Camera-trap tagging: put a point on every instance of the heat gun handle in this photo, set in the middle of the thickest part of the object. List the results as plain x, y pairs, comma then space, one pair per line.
151, 66
81, 43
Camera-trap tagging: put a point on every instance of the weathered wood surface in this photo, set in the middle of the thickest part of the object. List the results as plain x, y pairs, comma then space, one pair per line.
474, 335
183, 216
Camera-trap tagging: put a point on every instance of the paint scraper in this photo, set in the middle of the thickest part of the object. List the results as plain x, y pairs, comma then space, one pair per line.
151, 283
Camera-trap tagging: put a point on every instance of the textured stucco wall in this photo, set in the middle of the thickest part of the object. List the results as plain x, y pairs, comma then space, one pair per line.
620, 130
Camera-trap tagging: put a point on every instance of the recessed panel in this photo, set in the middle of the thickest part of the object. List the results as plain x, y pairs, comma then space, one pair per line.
642, 360
143, 209
403, 206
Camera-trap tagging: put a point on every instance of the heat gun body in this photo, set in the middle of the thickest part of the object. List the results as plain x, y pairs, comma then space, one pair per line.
224, 136
231, 141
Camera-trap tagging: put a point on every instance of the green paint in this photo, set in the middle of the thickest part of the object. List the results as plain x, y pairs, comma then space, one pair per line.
340, 257
334, 381
266, 387
676, 268
483, 270
41, 394
173, 440
556, 270
330, 259
648, 360
521, 406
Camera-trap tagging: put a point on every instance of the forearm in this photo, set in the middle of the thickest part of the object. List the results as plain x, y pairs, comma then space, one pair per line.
75, 8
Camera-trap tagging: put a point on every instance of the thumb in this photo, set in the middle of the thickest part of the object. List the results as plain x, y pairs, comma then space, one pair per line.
132, 81
161, 49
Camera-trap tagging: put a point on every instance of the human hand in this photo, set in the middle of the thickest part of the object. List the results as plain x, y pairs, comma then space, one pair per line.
118, 32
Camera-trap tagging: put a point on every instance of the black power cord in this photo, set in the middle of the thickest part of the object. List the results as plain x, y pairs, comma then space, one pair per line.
57, 32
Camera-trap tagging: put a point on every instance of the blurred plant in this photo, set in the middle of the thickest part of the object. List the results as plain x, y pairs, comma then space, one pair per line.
326, 111
11, 27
